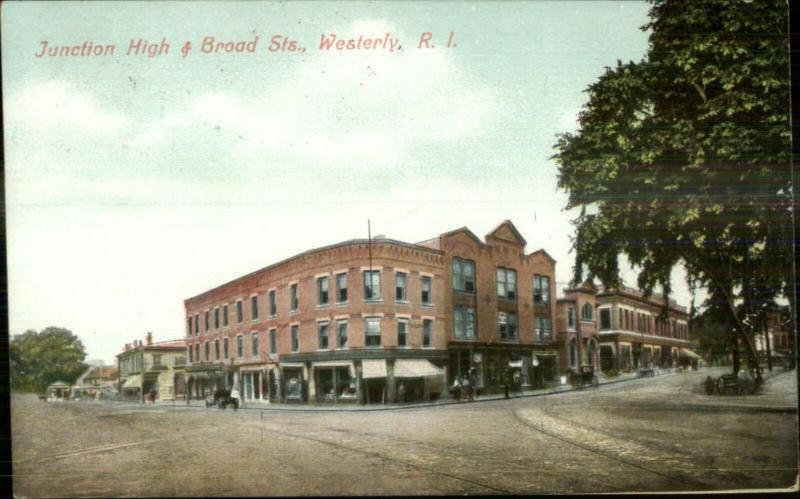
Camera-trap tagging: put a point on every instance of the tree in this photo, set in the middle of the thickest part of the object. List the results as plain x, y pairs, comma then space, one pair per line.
684, 158
39, 359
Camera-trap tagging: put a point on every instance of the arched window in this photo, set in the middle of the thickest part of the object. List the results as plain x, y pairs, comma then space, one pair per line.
463, 275
586, 312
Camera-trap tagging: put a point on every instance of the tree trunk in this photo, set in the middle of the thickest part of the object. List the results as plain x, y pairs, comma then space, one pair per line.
735, 339
769, 347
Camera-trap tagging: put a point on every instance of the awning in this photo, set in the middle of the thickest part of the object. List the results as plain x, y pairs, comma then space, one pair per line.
134, 381
415, 368
373, 369
292, 364
337, 363
515, 363
685, 352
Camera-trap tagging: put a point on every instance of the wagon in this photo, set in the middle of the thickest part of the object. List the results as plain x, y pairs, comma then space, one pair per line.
222, 399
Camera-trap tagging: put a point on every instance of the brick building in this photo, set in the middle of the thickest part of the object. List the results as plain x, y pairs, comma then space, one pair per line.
378, 321
621, 330
777, 339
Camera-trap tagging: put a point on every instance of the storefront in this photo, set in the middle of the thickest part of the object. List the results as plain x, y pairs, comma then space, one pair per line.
293, 381
334, 381
522, 368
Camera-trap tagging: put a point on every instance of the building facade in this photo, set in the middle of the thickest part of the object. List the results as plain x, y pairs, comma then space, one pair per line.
376, 321
152, 368
576, 323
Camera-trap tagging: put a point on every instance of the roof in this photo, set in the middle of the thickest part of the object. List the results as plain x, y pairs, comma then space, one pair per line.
510, 226
106, 372
163, 345
466, 231
58, 383
349, 242
544, 253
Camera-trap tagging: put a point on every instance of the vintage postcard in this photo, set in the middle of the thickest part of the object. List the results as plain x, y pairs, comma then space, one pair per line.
399, 248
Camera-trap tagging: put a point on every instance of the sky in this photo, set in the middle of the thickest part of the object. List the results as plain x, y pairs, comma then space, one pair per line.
134, 182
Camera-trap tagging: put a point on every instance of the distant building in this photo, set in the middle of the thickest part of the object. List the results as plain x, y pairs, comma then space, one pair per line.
777, 340
58, 391
152, 367
622, 330
380, 321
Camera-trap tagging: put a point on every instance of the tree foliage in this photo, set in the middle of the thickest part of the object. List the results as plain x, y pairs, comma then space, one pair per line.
41, 358
684, 157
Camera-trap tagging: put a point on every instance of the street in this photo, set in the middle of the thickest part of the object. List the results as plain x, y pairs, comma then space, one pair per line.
650, 434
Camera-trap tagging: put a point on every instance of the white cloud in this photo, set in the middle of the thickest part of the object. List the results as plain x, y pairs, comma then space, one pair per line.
58, 104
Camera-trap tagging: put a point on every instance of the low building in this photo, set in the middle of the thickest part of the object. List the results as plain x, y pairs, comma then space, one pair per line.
152, 368
58, 391
378, 321
100, 378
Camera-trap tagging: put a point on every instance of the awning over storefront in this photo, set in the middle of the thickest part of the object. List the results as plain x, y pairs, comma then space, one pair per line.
685, 352
373, 368
337, 363
134, 381
415, 368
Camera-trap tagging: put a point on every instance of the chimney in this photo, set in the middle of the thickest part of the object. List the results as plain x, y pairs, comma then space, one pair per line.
149, 338
127, 346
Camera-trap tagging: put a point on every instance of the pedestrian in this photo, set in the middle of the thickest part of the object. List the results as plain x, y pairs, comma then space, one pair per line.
235, 396
472, 382
456, 388
467, 387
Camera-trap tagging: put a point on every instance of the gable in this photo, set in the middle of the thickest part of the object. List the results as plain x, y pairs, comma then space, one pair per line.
507, 232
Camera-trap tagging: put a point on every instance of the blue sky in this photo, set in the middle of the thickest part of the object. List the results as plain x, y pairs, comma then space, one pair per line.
135, 182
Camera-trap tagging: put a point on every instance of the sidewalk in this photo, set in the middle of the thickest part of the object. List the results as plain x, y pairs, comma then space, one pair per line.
273, 406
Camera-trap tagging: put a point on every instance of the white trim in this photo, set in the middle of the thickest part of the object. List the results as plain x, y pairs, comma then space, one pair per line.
326, 274
341, 317
401, 271
426, 274
294, 324
340, 271
323, 319
427, 317
377, 315
292, 282
272, 289
403, 316
374, 267
254, 294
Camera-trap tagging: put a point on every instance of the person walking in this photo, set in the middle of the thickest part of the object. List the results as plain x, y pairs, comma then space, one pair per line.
472, 380
467, 388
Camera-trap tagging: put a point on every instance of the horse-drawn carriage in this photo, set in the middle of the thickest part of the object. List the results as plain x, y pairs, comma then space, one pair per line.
222, 398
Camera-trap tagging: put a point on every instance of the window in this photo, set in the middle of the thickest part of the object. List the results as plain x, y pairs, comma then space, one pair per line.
225, 348
197, 351
188, 326
293, 305
240, 346
427, 325
341, 288
216, 318
206, 350
206, 320
570, 318
322, 291
196, 324
322, 335
542, 329
586, 312
507, 326
463, 275
426, 290
157, 359
295, 338
254, 344
541, 290
605, 319
216, 349
400, 286
225, 315
254, 308
239, 312
341, 334
273, 306
372, 285
372, 332
464, 323
402, 332
273, 346
191, 357
506, 283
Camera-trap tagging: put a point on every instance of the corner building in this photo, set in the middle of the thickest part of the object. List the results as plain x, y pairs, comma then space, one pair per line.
378, 321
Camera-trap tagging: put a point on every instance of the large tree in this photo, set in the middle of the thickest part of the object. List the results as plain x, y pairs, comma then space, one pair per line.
683, 158
41, 358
